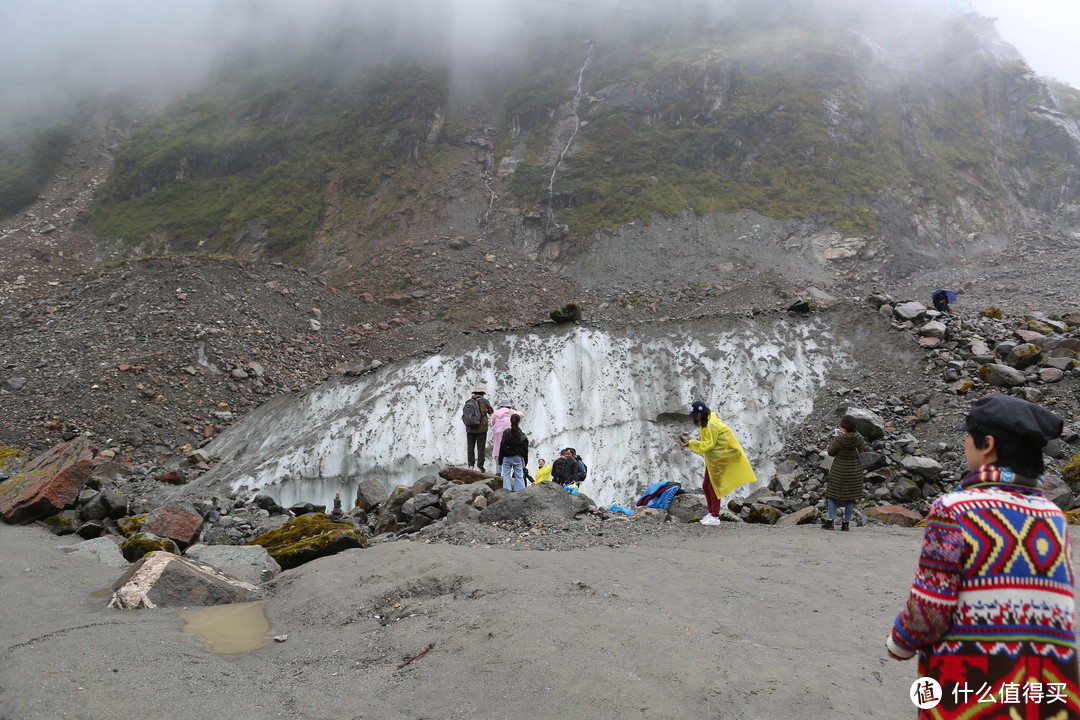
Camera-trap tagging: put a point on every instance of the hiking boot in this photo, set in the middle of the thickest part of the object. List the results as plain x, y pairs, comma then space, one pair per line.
844, 527
827, 525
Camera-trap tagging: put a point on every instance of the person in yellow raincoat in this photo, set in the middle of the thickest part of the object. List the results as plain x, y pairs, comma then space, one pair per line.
543, 472
726, 465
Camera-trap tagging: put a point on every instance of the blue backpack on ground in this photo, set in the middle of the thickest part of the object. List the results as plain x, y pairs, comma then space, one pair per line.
659, 495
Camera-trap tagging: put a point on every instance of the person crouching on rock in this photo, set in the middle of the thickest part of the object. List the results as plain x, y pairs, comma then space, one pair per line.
514, 455
726, 465
846, 476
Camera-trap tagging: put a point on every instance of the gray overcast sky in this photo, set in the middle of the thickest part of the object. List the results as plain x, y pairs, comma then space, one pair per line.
64, 45
1044, 31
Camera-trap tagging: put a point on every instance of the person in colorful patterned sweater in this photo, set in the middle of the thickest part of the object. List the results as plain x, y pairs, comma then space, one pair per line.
991, 613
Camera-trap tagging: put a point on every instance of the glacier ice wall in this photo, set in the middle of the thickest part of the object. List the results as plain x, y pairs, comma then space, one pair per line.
619, 395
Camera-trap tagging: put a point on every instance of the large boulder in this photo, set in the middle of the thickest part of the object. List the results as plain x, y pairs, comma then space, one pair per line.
178, 521
455, 494
687, 507
868, 423
163, 579
105, 504
1000, 375
909, 310
48, 483
250, 563
924, 467
547, 503
894, 515
140, 545
763, 514
371, 493
806, 516
309, 537
104, 550
1024, 356
463, 475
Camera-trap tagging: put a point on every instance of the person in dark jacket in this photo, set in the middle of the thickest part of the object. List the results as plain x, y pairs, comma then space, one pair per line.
846, 476
476, 435
567, 470
514, 455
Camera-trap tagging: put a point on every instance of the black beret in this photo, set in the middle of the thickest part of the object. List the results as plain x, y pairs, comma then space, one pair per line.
1007, 414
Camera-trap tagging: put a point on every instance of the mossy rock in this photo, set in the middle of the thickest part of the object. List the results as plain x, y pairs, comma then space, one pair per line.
139, 544
1071, 472
11, 459
993, 312
62, 523
1038, 326
131, 524
1073, 516
764, 515
571, 312
309, 537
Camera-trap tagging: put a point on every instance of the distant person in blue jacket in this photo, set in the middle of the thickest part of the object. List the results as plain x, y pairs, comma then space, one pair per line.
941, 300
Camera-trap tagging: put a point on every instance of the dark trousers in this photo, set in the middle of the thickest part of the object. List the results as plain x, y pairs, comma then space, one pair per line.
477, 442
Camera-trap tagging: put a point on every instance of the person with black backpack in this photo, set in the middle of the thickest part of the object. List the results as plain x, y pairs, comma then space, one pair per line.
475, 416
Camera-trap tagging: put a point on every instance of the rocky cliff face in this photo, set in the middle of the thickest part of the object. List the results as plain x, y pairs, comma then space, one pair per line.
807, 145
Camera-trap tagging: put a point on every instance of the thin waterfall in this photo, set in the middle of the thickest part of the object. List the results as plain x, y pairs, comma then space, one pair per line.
574, 104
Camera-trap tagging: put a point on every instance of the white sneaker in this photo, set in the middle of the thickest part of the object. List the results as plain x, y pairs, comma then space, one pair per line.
709, 520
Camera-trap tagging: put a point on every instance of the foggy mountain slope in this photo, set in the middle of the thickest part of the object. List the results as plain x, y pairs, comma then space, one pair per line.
392, 151
801, 146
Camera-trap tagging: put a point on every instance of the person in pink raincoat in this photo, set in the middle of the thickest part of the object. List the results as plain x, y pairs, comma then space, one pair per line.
501, 421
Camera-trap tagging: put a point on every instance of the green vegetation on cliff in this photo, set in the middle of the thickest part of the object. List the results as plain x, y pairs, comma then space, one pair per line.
784, 122
27, 160
270, 149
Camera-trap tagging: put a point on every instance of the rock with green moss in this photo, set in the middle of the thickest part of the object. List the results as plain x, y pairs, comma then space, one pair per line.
62, 523
1024, 356
571, 312
47, 484
11, 459
993, 312
1071, 472
309, 537
764, 514
140, 544
131, 524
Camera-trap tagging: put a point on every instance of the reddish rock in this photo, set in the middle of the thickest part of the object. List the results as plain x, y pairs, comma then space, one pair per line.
48, 483
463, 475
178, 521
1050, 375
929, 342
800, 517
173, 477
894, 515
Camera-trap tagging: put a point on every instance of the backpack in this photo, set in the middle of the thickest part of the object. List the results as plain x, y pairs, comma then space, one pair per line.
471, 413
